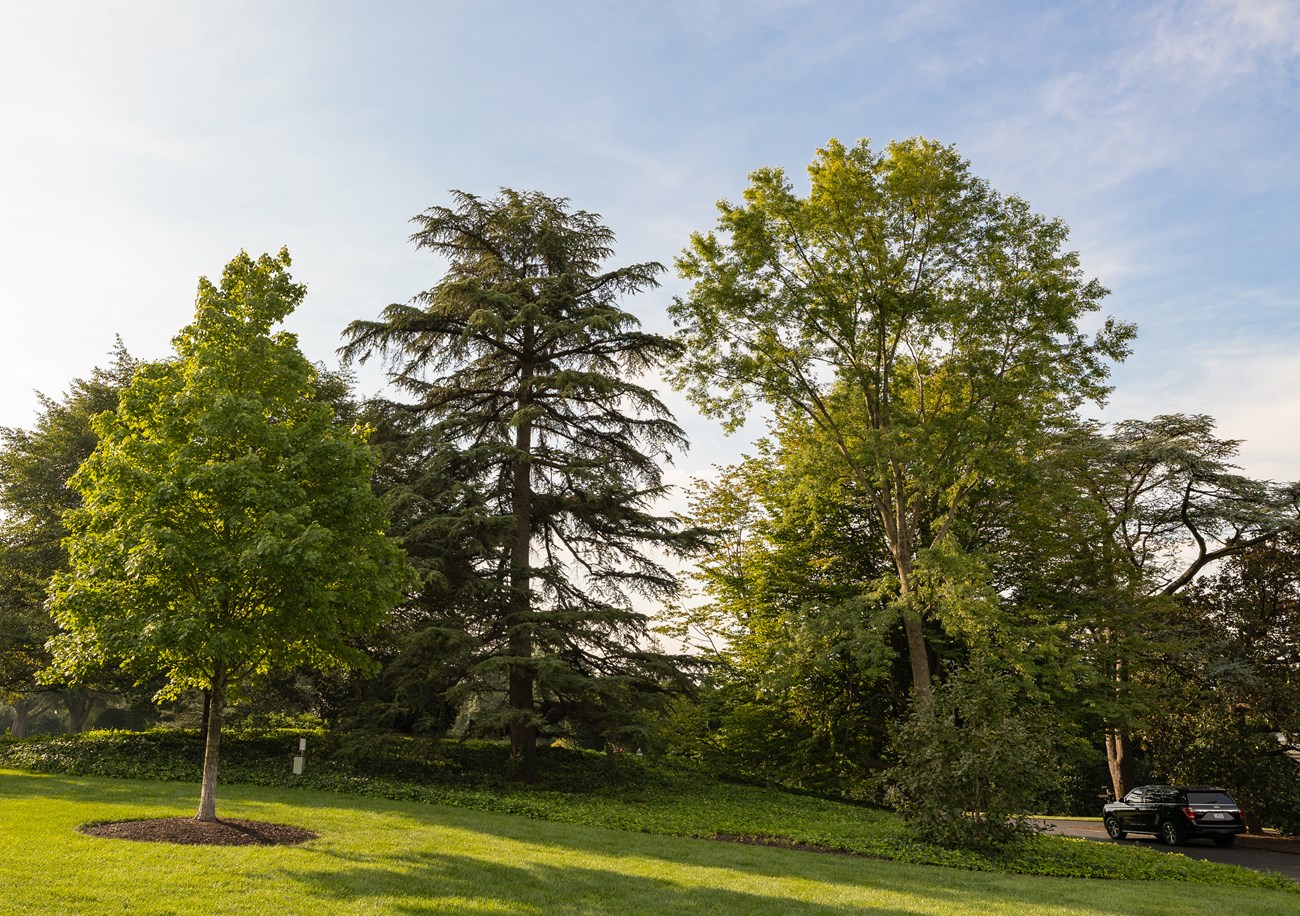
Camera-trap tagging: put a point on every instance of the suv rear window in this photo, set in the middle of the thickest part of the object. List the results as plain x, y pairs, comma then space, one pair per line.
1209, 798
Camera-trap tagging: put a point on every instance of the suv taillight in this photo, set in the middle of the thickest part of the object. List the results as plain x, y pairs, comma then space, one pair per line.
1187, 810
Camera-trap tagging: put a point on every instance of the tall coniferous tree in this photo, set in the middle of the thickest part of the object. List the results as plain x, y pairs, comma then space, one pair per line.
523, 362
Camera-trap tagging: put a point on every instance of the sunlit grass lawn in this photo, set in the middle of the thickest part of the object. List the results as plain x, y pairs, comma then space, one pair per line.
377, 856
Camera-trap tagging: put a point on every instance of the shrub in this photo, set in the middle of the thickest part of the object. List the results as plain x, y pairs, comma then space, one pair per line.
971, 762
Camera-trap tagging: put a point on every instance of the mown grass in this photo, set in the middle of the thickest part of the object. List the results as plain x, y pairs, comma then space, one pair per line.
594, 790
381, 856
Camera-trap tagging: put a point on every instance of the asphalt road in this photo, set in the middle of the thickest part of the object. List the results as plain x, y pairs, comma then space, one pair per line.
1259, 859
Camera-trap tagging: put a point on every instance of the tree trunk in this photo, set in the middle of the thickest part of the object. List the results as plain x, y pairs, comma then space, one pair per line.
914, 629
212, 747
22, 711
522, 674
207, 713
79, 703
523, 733
1119, 756
918, 655
1119, 744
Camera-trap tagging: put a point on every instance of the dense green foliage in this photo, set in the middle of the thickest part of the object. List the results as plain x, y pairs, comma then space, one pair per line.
805, 670
1071, 566
810, 668
530, 467
1234, 701
227, 526
35, 465
618, 791
925, 326
1171, 503
972, 762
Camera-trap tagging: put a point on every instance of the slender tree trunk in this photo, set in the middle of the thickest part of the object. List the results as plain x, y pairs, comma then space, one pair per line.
1119, 744
207, 713
523, 733
522, 675
902, 538
918, 655
212, 747
913, 628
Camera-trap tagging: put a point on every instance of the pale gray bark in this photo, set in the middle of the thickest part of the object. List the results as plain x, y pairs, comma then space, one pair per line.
212, 747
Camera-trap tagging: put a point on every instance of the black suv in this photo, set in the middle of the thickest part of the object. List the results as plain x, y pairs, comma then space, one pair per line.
1175, 814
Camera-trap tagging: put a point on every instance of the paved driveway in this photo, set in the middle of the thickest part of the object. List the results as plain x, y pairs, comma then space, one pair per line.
1259, 859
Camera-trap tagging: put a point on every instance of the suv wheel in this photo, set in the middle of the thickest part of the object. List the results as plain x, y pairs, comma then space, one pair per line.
1114, 829
1169, 833
1224, 842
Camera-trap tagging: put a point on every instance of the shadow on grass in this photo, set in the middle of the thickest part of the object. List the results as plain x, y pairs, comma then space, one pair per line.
496, 862
16, 784
686, 878
434, 881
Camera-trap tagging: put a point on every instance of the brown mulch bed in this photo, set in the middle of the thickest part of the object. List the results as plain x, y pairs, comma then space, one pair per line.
192, 832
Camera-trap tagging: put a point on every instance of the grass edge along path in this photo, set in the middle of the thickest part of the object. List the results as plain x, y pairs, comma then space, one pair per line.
382, 856
596, 790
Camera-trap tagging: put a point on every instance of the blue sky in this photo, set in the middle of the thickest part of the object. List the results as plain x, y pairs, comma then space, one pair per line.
145, 143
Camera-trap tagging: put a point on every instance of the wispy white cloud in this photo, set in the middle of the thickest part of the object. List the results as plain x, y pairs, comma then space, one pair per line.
1212, 41
149, 142
1248, 387
1153, 99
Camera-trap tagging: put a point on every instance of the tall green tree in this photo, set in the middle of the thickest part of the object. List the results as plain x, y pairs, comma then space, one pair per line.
1114, 527
228, 528
804, 671
928, 326
531, 375
1236, 695
1174, 504
35, 465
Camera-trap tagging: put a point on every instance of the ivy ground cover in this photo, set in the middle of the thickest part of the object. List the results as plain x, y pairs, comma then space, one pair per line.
383, 856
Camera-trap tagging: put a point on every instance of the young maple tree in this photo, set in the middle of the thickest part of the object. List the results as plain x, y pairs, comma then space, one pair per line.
227, 527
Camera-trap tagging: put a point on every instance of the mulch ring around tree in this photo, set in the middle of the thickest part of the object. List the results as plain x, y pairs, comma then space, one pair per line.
190, 831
